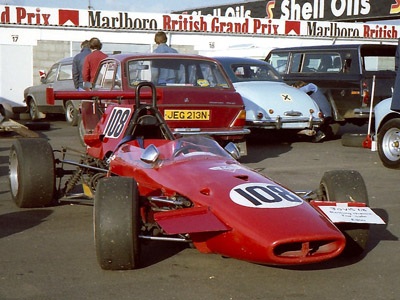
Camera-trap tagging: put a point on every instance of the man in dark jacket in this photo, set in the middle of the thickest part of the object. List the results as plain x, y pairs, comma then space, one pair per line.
77, 65
396, 93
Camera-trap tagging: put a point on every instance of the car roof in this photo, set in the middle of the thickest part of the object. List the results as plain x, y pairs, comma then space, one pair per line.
333, 47
242, 60
125, 56
66, 60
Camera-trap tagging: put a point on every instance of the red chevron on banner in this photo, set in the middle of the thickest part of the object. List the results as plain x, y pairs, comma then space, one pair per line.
65, 16
292, 26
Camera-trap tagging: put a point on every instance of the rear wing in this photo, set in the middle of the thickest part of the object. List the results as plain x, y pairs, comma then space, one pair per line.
130, 96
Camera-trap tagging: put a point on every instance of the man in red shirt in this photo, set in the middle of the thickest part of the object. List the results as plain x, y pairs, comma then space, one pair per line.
92, 61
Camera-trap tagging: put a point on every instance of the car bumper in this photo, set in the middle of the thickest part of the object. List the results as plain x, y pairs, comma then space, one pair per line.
198, 131
286, 123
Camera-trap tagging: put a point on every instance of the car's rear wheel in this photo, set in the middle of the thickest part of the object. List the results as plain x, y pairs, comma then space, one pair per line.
117, 223
32, 173
71, 113
347, 186
389, 144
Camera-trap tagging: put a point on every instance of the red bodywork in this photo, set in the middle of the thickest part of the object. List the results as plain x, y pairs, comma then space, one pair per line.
273, 226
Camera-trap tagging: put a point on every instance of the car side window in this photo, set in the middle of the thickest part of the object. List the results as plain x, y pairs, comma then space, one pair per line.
51, 76
296, 63
322, 63
100, 76
279, 61
65, 72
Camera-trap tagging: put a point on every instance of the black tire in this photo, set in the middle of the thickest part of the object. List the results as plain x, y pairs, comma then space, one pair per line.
389, 144
71, 113
117, 223
81, 131
347, 186
33, 110
38, 125
353, 139
32, 173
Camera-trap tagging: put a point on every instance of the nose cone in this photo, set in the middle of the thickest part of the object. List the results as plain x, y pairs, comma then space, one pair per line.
271, 225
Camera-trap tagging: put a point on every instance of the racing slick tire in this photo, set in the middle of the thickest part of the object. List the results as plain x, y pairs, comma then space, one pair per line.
389, 144
32, 173
353, 139
347, 186
117, 223
71, 113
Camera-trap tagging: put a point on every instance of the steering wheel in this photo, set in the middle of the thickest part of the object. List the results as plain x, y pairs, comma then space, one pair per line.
185, 149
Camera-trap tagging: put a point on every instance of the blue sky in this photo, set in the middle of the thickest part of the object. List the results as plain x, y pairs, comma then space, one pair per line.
156, 6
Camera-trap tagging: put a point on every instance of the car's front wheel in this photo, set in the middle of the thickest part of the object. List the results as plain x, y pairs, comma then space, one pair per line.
32, 172
389, 144
33, 110
71, 113
347, 186
117, 223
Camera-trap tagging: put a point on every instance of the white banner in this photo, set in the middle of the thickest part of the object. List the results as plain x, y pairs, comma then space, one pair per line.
191, 23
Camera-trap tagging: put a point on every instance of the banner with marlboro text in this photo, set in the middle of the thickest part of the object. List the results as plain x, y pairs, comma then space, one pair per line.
118, 20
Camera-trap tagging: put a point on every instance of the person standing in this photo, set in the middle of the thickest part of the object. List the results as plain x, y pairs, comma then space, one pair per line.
77, 65
161, 40
163, 76
396, 92
92, 61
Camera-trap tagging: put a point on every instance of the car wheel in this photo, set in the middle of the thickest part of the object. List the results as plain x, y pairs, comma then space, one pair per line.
117, 223
347, 186
353, 139
33, 111
71, 113
32, 173
81, 131
389, 144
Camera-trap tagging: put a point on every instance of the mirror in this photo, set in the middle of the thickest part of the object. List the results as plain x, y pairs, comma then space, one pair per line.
233, 150
150, 154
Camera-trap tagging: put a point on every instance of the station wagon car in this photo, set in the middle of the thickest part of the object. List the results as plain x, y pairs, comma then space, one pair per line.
59, 77
344, 73
194, 94
271, 103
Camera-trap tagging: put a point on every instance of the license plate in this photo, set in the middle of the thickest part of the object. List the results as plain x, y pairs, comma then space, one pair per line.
183, 115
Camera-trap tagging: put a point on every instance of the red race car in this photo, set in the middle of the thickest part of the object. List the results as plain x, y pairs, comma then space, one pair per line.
146, 184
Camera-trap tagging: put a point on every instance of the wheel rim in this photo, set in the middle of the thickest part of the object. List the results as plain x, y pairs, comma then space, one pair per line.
81, 130
391, 144
70, 113
32, 110
14, 173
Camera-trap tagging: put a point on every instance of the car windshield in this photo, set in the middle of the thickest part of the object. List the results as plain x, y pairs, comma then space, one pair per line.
254, 72
176, 72
191, 147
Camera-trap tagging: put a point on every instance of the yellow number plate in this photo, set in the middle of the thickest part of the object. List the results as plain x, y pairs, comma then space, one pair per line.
180, 115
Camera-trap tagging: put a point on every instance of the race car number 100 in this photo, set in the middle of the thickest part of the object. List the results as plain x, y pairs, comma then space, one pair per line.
263, 195
117, 122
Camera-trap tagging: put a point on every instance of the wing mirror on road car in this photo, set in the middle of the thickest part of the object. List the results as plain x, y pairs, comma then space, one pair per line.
150, 154
233, 150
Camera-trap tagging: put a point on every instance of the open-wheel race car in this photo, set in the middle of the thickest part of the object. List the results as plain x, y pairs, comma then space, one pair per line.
147, 184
